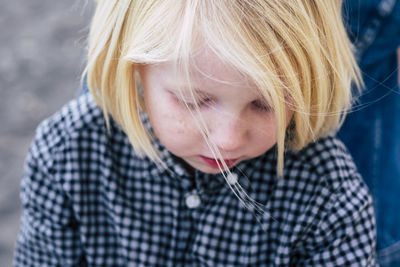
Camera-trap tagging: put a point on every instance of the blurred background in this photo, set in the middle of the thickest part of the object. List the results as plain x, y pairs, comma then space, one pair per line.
42, 55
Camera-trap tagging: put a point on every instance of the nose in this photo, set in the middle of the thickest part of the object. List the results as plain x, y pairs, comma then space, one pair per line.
228, 132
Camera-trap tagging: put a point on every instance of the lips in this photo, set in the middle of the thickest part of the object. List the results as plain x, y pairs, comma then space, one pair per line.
214, 163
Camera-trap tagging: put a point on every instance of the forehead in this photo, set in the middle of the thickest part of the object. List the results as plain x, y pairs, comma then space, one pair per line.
205, 69
206, 63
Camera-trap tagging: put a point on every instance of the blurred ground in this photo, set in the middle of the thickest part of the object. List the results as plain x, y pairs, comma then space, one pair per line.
42, 54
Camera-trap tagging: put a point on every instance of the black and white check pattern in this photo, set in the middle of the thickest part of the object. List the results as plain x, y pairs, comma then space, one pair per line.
90, 201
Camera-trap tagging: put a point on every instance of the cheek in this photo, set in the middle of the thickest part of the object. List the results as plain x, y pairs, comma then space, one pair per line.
174, 129
264, 136
169, 125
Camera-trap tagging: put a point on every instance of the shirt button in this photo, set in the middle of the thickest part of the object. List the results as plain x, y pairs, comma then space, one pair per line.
193, 201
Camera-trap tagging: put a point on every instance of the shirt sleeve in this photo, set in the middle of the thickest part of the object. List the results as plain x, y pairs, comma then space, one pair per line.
344, 234
49, 232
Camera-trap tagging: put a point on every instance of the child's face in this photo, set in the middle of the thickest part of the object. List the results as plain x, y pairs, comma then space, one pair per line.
238, 119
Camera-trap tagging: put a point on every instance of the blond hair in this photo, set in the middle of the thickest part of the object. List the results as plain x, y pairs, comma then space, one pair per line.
296, 52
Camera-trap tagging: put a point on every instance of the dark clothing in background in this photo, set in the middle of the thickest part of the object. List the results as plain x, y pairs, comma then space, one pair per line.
372, 130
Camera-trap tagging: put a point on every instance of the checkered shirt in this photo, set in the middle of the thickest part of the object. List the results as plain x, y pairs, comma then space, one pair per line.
89, 200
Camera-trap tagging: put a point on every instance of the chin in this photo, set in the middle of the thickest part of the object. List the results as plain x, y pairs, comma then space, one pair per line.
203, 167
211, 171
208, 170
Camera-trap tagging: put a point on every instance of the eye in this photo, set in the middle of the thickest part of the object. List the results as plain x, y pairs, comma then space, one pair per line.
203, 102
261, 106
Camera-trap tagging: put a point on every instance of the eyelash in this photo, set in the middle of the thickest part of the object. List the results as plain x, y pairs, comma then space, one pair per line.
258, 105
201, 103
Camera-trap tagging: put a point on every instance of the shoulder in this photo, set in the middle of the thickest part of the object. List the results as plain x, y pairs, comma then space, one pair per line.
77, 127
75, 153
326, 160
74, 146
55, 152
326, 175
74, 117
335, 204
314, 178
327, 179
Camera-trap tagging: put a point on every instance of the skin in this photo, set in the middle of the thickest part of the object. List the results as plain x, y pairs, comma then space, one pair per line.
240, 123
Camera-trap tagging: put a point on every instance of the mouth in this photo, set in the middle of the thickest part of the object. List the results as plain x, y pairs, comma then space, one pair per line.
215, 163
